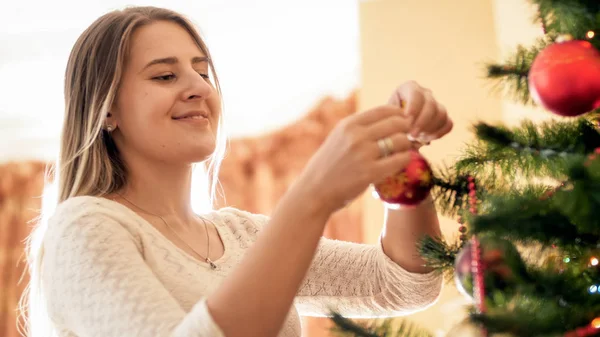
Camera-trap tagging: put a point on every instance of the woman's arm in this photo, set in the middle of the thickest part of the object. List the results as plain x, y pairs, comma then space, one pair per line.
402, 231
98, 284
358, 280
256, 298
250, 304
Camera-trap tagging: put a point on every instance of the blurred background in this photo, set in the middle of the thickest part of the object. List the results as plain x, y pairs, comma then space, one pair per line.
290, 70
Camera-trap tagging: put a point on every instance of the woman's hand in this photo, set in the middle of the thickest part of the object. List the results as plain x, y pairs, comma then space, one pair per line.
430, 120
355, 155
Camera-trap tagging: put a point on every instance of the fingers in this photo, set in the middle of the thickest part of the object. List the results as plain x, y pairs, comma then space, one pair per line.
440, 125
388, 126
395, 128
432, 123
412, 95
431, 120
440, 121
444, 130
423, 122
399, 144
376, 114
392, 164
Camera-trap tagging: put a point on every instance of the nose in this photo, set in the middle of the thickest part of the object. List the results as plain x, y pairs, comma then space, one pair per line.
197, 87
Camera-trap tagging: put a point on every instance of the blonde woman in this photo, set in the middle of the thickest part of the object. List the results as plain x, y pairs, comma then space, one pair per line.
124, 254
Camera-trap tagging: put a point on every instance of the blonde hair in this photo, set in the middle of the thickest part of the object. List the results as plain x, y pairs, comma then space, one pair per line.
88, 161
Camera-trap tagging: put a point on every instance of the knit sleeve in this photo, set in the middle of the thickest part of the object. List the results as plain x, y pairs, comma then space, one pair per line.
96, 283
360, 280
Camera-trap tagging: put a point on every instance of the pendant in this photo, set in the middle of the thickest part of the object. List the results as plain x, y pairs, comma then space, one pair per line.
213, 266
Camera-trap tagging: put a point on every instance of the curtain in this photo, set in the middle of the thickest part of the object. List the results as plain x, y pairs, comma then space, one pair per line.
257, 171
21, 187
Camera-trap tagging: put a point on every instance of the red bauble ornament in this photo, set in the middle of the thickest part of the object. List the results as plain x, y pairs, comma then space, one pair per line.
565, 78
410, 186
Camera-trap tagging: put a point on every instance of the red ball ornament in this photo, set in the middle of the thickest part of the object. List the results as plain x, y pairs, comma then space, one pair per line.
565, 78
408, 187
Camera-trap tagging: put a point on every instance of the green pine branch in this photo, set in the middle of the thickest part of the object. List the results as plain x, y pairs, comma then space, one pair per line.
580, 199
439, 255
378, 328
525, 317
569, 283
530, 150
450, 191
574, 17
561, 279
512, 75
522, 216
547, 302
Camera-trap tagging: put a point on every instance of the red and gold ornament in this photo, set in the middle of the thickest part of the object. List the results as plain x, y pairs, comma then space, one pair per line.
565, 78
408, 187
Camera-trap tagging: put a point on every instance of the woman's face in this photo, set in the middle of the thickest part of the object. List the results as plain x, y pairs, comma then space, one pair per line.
167, 109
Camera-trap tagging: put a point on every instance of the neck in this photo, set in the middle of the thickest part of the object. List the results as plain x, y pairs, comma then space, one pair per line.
162, 190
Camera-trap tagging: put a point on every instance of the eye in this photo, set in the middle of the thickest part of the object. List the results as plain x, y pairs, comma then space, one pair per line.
163, 78
205, 76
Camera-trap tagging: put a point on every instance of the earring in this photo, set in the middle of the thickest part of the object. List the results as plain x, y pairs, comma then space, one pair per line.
109, 127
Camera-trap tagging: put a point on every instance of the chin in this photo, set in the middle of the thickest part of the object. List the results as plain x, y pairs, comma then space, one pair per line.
199, 155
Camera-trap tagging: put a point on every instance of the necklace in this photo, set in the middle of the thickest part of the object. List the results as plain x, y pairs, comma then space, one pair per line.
213, 266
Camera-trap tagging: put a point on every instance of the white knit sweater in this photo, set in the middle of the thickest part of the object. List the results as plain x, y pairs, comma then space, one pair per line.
108, 272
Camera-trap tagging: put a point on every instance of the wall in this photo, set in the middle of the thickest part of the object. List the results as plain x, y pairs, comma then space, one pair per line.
443, 46
514, 26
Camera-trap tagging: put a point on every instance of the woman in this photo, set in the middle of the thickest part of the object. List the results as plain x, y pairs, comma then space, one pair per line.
124, 254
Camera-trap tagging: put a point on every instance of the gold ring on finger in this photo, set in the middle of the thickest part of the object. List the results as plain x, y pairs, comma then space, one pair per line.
386, 146
389, 144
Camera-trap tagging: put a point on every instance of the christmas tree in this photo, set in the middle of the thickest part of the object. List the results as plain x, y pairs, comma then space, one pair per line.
527, 198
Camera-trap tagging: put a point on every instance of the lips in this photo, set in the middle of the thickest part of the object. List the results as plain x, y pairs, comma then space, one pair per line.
191, 115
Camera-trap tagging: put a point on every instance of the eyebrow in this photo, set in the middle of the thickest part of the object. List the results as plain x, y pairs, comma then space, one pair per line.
174, 60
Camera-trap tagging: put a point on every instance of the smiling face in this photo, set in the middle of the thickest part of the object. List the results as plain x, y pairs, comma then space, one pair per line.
167, 108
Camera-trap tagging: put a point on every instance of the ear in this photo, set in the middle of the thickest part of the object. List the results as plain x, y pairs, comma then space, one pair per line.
110, 123
113, 112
